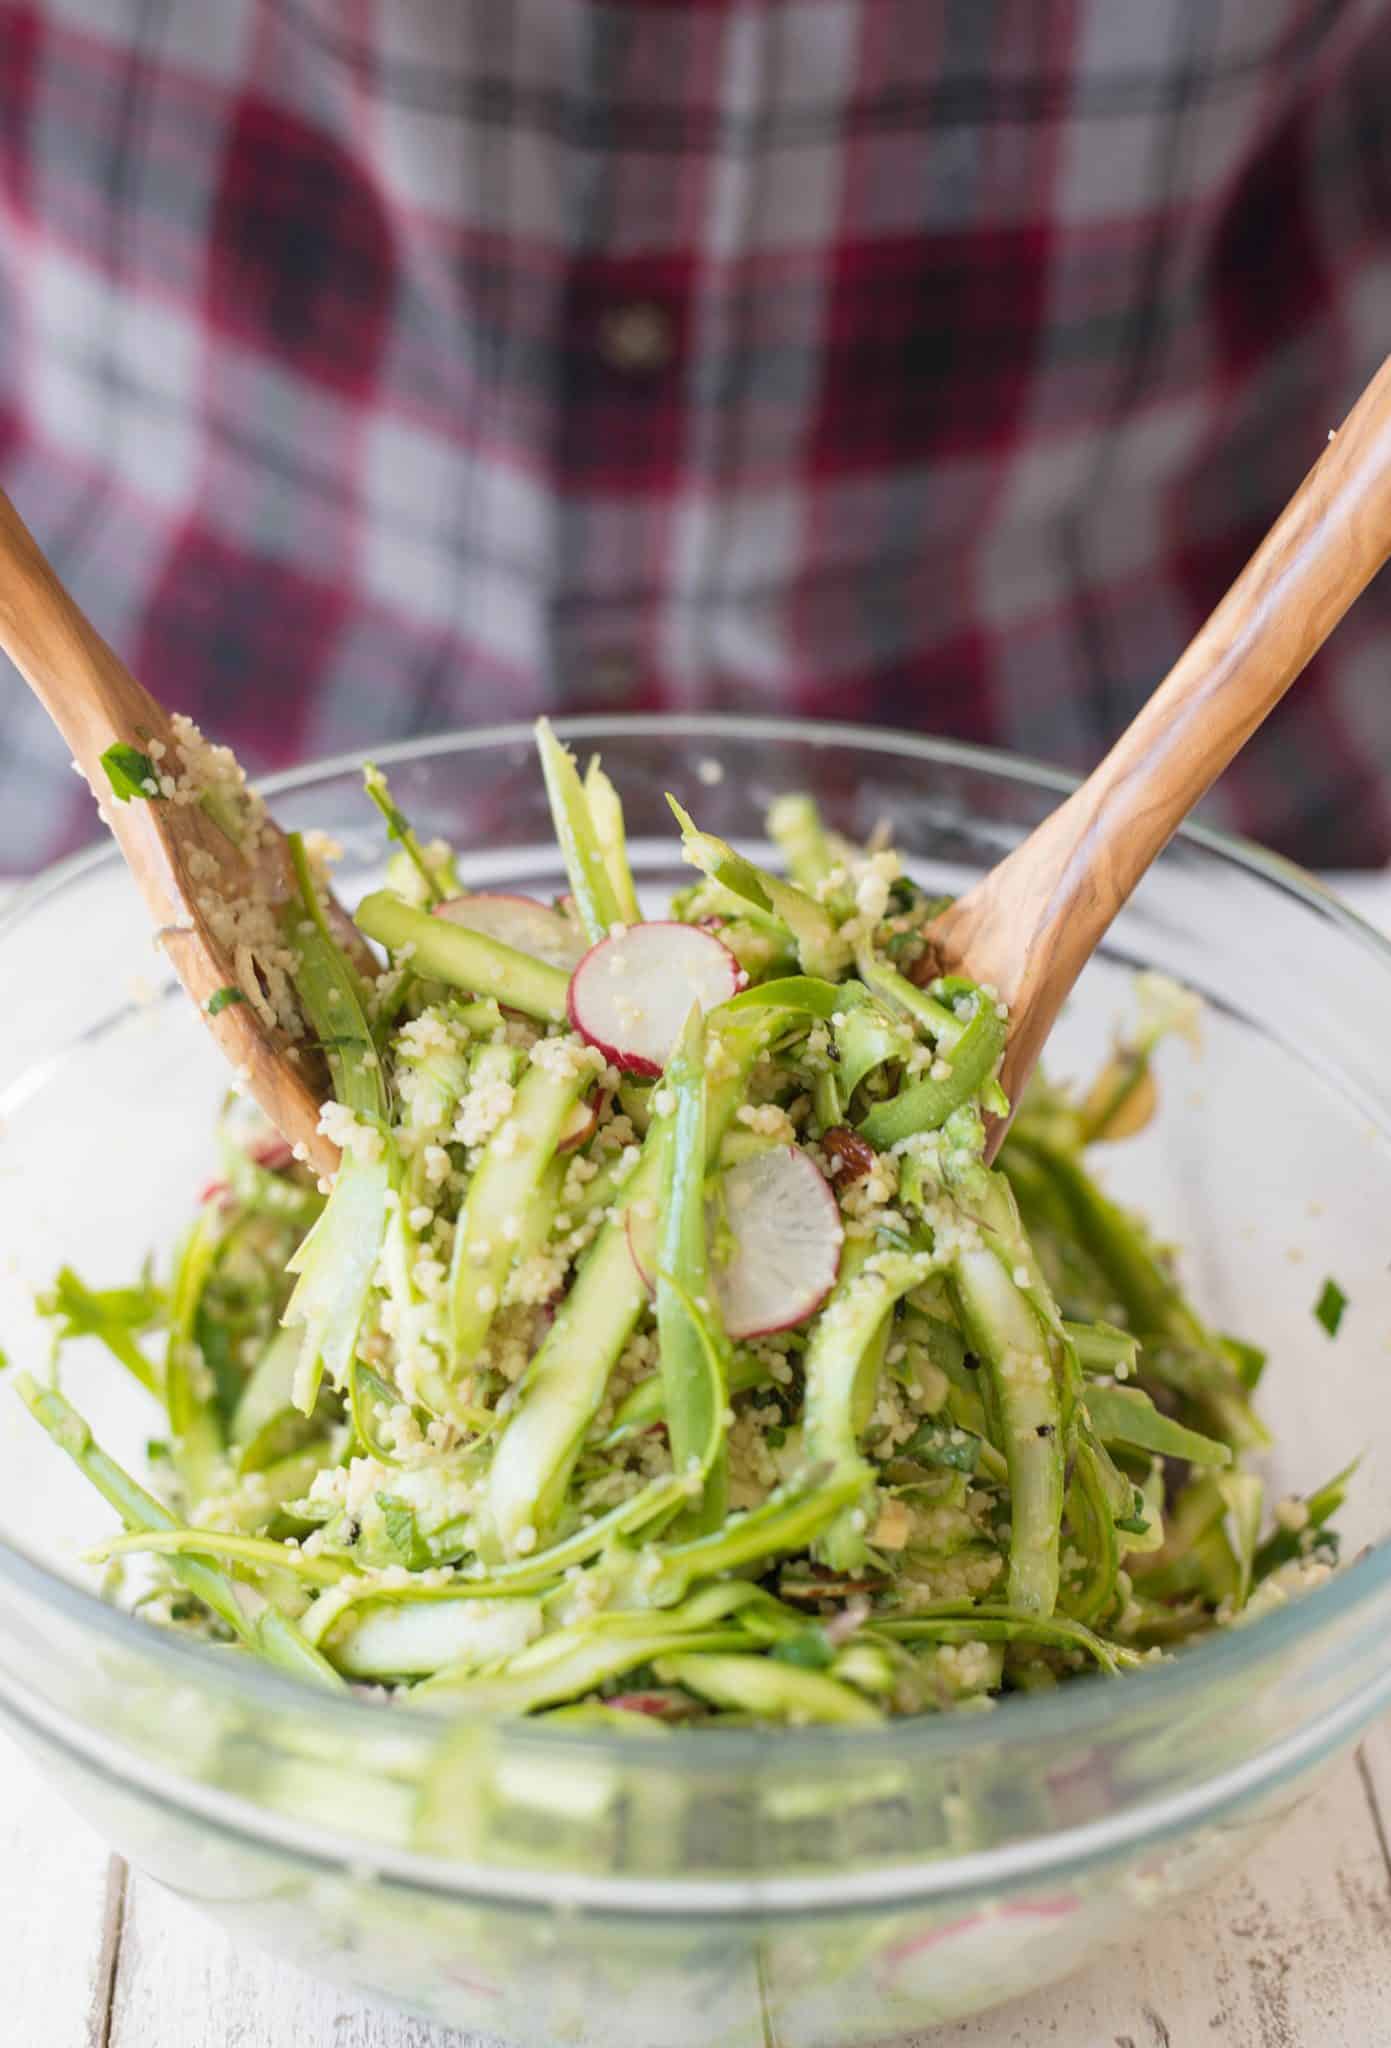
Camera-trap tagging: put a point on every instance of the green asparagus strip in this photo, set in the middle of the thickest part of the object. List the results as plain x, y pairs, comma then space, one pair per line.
256, 1553
794, 825
695, 1397
820, 946
647, 1402
936, 1019
1126, 1415
926, 1106
266, 1425
790, 1520
113, 1315
606, 816
840, 1384
465, 959
993, 1624
1003, 1331
505, 1185
809, 993
772, 1691
331, 993
261, 1627
866, 1040
565, 1382
196, 1433
436, 886
581, 845
1103, 1348
1092, 1518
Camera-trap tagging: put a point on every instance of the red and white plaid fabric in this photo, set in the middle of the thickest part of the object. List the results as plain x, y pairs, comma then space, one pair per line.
370, 366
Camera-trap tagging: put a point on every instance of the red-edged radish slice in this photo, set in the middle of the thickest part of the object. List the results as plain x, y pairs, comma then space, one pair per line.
641, 1232
999, 1945
786, 1233
787, 1237
582, 1122
272, 1152
520, 922
632, 992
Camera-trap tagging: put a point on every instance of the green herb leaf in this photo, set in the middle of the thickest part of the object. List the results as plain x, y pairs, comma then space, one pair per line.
223, 998
1330, 1305
1135, 1523
809, 1650
130, 773
1249, 1360
398, 1520
942, 1443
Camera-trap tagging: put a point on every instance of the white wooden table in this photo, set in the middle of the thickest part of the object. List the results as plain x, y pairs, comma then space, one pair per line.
1293, 1952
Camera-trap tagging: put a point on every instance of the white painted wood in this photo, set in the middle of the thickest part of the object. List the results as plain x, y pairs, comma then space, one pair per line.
183, 1983
1292, 1952
60, 1900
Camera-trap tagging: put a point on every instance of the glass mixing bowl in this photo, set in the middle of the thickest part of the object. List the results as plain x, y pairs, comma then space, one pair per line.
807, 1886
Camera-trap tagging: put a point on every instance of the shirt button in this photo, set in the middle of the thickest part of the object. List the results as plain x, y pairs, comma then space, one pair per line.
613, 677
636, 338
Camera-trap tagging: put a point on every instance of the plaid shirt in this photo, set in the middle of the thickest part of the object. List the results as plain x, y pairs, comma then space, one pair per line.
372, 366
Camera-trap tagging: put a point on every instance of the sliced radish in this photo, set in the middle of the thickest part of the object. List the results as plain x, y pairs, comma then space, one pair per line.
582, 1122
517, 921
272, 1152
632, 992
787, 1238
787, 1235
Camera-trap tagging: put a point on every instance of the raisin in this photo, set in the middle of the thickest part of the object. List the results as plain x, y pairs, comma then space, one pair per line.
852, 1156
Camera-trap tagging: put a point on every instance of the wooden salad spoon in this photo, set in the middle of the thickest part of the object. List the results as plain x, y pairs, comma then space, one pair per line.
181, 857
1029, 926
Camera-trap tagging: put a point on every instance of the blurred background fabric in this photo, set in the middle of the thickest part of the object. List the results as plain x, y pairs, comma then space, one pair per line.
369, 367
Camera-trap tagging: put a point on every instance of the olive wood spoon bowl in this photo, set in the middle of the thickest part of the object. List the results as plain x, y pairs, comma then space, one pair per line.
1029, 927
96, 703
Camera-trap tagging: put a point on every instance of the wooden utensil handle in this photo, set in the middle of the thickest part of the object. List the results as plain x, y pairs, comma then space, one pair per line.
1034, 922
82, 683
1321, 553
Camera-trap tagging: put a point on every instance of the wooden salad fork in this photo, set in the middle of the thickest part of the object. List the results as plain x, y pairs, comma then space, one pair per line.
1029, 927
177, 851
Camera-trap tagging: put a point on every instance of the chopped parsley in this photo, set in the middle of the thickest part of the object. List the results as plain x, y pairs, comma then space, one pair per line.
130, 773
942, 1443
223, 998
1330, 1305
1135, 1523
399, 1524
809, 1650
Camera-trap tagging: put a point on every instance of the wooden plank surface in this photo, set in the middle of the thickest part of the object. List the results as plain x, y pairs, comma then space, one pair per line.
1293, 1952
61, 1900
183, 1984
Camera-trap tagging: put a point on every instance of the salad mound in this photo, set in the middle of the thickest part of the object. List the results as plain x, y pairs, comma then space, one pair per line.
664, 1345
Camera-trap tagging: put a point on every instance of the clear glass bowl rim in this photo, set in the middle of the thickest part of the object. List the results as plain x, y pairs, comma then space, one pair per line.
1075, 1711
